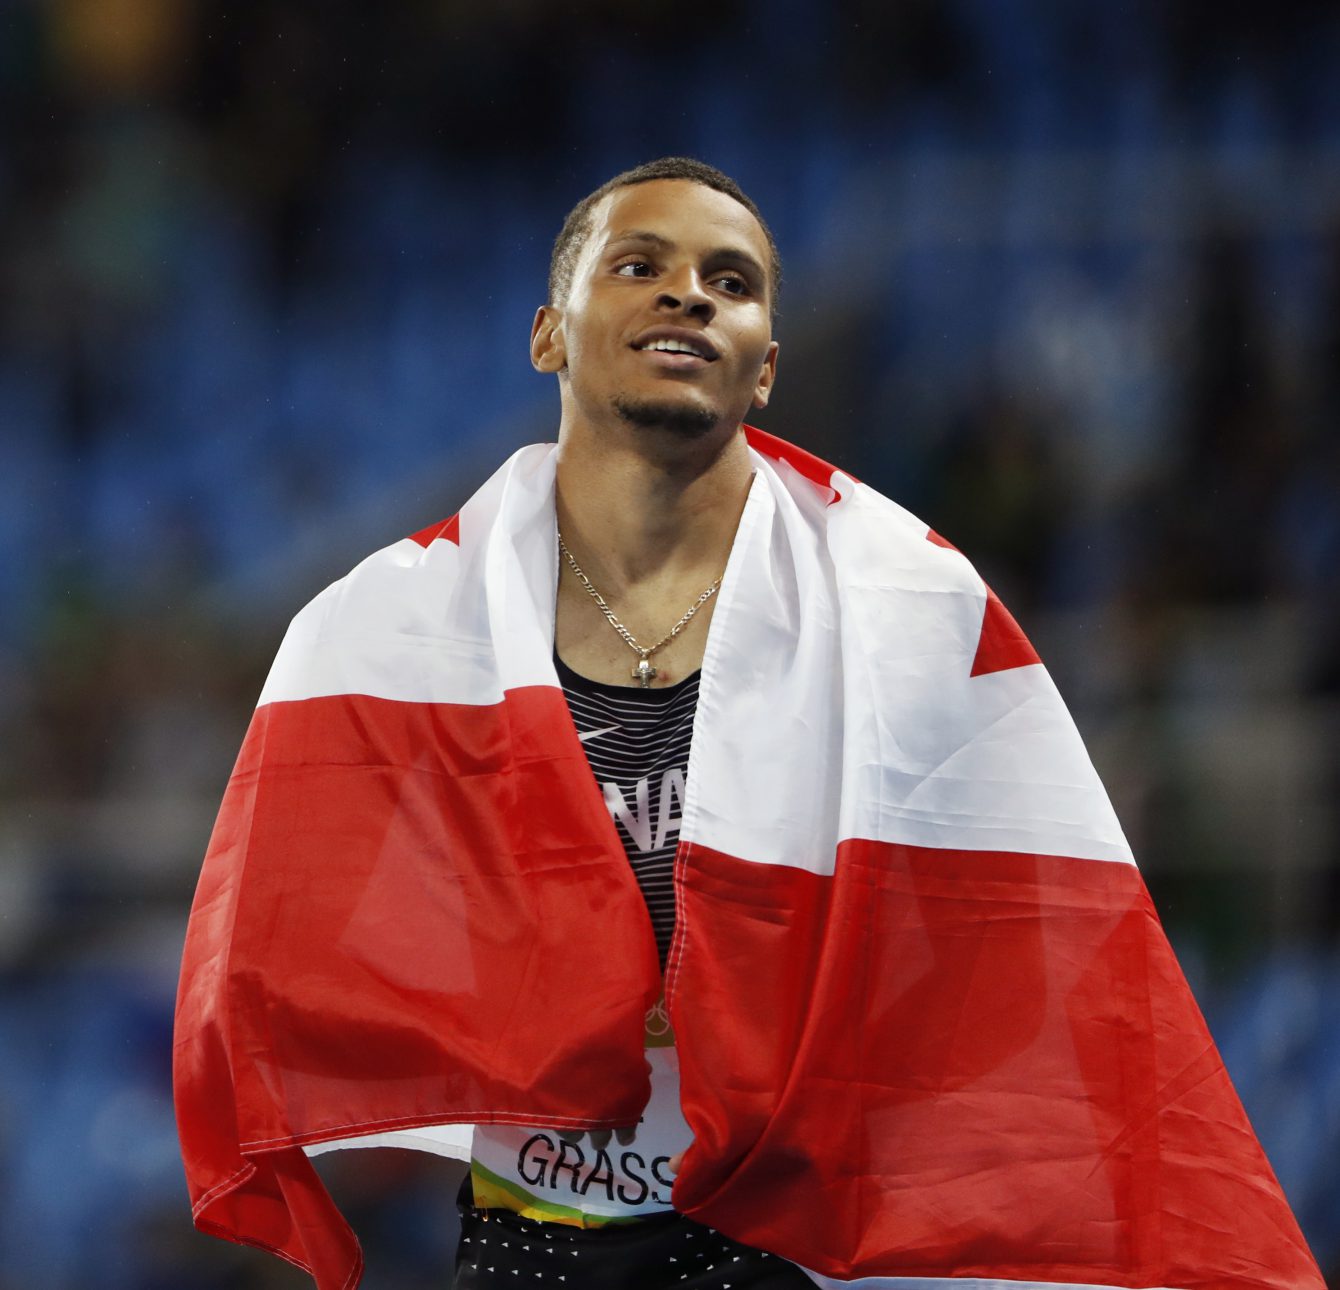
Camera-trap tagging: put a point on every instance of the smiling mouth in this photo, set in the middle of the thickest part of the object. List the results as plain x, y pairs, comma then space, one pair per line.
676, 346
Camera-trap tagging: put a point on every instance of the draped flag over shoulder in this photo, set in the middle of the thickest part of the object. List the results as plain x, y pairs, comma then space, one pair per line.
931, 1034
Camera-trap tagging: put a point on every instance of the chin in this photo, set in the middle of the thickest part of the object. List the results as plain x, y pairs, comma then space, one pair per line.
675, 416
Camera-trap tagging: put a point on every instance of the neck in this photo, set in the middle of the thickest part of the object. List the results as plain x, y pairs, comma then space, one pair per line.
636, 511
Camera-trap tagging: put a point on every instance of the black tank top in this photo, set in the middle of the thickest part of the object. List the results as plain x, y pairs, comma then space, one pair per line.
637, 744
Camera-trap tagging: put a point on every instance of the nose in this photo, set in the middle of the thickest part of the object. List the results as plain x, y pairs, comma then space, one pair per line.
684, 292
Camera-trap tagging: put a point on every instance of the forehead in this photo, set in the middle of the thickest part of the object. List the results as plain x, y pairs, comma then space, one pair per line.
688, 214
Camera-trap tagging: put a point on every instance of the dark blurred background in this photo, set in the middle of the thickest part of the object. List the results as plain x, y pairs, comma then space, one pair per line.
1063, 278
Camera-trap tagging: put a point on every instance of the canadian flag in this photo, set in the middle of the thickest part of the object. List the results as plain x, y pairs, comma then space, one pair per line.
930, 1031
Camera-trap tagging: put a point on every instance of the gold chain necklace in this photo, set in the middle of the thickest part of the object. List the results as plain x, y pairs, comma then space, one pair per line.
643, 673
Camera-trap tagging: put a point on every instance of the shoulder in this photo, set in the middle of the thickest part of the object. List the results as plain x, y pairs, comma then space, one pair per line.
412, 620
408, 582
892, 570
866, 531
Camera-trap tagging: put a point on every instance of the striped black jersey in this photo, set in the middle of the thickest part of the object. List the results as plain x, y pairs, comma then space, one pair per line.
637, 743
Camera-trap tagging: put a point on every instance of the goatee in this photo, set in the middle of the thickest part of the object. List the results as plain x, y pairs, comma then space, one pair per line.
683, 419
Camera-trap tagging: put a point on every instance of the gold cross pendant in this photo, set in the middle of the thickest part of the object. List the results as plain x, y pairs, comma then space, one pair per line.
644, 673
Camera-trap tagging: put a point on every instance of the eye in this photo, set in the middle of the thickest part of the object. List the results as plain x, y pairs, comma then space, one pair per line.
634, 269
733, 283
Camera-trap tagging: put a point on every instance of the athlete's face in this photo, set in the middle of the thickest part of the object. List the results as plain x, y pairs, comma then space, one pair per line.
667, 321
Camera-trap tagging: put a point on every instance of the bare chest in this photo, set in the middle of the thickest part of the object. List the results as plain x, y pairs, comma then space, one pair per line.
589, 644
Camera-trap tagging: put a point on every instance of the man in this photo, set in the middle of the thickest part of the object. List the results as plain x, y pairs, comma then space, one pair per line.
660, 333
659, 329
842, 975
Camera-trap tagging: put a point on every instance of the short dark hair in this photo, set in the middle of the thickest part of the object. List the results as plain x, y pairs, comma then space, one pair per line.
577, 227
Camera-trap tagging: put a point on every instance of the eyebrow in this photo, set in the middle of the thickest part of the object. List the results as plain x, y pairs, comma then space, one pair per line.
717, 255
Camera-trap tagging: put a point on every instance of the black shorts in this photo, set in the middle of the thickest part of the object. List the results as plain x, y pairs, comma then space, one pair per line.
660, 1252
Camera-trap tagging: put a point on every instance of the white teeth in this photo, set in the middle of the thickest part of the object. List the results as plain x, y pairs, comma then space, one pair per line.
674, 347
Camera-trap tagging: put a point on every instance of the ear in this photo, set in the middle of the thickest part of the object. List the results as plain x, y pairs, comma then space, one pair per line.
548, 353
767, 374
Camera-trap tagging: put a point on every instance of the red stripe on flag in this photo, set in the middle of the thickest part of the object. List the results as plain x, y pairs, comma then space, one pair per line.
409, 913
998, 1071
449, 530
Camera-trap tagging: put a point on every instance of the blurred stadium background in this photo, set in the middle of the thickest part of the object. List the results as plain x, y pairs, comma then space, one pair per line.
1063, 278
